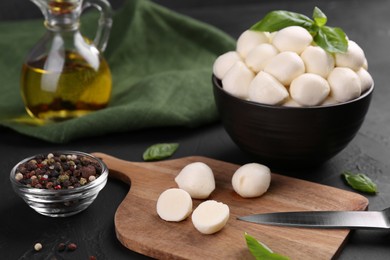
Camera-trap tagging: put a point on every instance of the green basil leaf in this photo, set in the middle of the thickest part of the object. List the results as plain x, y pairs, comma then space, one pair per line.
276, 20
160, 151
360, 182
319, 17
261, 251
331, 39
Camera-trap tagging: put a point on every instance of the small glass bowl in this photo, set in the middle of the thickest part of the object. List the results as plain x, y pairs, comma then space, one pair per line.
62, 202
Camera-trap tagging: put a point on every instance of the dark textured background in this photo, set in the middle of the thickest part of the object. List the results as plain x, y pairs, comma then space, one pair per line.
366, 22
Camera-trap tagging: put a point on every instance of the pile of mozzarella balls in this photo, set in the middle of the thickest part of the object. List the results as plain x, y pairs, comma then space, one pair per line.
287, 68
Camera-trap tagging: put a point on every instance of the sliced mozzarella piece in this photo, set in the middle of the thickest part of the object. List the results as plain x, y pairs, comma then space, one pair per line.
309, 89
249, 40
197, 179
344, 84
210, 216
292, 38
251, 180
317, 61
174, 205
365, 79
354, 58
224, 62
236, 80
259, 56
265, 89
285, 67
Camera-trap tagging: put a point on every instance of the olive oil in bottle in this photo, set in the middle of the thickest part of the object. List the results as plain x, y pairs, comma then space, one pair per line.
73, 89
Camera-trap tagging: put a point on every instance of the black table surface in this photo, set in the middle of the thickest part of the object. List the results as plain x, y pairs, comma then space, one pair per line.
366, 22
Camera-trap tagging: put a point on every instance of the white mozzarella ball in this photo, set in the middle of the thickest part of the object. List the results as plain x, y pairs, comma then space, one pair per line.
236, 80
210, 216
249, 40
344, 84
251, 180
309, 89
365, 64
224, 62
354, 58
329, 101
197, 179
285, 67
317, 61
265, 89
291, 103
292, 38
365, 79
174, 205
259, 56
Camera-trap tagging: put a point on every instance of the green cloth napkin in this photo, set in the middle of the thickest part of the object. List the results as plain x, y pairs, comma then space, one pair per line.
161, 64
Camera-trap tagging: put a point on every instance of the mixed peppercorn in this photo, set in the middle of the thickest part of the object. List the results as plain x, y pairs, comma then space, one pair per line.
58, 171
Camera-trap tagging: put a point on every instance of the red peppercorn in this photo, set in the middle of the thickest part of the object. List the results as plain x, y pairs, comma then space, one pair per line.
72, 247
57, 187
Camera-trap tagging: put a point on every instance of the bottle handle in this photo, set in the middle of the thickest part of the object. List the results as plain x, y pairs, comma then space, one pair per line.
104, 23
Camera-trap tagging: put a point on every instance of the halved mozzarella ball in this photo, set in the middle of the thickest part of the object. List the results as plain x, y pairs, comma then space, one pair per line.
236, 80
309, 89
344, 84
317, 61
174, 205
365, 79
265, 89
249, 40
197, 179
251, 180
210, 216
354, 58
259, 56
285, 67
292, 38
224, 62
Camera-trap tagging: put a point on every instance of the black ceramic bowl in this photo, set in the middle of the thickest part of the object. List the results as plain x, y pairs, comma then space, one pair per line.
290, 137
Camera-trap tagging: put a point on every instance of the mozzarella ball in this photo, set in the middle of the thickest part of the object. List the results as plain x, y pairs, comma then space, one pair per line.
365, 64
344, 84
354, 58
317, 61
292, 38
236, 80
224, 62
285, 67
259, 56
197, 179
365, 79
210, 216
249, 40
309, 89
329, 101
265, 89
291, 103
174, 205
251, 180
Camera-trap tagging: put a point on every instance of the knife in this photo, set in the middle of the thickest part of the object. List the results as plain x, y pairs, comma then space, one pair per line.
325, 219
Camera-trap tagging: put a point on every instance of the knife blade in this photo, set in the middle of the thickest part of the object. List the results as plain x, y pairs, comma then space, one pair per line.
324, 219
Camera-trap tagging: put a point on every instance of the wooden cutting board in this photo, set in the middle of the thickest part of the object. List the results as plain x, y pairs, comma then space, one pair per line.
139, 228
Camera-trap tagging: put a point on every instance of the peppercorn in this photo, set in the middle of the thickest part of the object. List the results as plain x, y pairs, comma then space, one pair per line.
72, 247
92, 257
38, 247
61, 247
58, 171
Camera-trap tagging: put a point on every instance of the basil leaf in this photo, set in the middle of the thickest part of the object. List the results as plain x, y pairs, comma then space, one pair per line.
276, 20
360, 182
331, 39
319, 17
261, 251
160, 151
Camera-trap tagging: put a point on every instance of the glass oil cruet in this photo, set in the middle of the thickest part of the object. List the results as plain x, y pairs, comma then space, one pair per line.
65, 75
